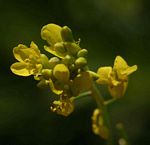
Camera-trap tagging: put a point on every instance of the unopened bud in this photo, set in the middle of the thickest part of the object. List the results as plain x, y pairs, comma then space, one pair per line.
43, 84
44, 60
72, 48
47, 73
80, 62
61, 72
59, 47
68, 59
66, 34
53, 61
82, 53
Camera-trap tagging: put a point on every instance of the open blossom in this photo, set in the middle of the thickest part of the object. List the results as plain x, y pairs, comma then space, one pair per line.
117, 77
64, 106
29, 60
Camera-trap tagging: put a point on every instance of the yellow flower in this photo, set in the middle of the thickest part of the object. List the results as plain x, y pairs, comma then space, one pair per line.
98, 125
117, 77
63, 107
60, 40
29, 60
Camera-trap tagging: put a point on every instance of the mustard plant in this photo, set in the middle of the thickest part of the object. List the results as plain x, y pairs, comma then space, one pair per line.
67, 75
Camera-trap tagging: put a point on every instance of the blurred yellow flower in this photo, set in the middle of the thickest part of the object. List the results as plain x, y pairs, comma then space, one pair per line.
29, 60
117, 77
98, 124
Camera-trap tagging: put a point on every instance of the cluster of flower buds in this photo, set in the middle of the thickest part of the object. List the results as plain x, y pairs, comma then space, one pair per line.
64, 73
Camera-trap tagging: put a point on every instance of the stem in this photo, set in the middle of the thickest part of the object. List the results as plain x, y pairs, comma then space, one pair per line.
122, 134
82, 95
110, 101
101, 105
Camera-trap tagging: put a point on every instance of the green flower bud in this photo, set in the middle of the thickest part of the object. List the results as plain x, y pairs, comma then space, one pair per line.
72, 67
59, 48
82, 53
66, 34
68, 59
80, 62
61, 72
47, 73
53, 61
43, 83
72, 48
44, 60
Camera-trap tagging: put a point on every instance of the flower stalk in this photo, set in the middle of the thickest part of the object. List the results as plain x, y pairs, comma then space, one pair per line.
101, 105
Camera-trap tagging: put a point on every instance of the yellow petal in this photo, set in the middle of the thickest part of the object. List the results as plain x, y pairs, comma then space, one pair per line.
61, 72
22, 52
120, 64
54, 90
81, 83
17, 51
104, 75
122, 69
37, 68
20, 69
119, 90
130, 70
52, 51
51, 33
35, 48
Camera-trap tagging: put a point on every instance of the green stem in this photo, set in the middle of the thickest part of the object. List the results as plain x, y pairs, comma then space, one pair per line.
110, 101
82, 95
101, 105
122, 134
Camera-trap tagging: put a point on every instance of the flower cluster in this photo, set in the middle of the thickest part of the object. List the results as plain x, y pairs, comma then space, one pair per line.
67, 73
64, 73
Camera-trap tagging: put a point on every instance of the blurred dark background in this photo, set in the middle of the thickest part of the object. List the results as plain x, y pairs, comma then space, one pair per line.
107, 28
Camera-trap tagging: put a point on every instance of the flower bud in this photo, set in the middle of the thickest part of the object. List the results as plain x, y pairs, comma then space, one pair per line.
44, 60
47, 73
72, 48
61, 72
53, 61
80, 62
82, 53
59, 47
68, 59
66, 34
43, 83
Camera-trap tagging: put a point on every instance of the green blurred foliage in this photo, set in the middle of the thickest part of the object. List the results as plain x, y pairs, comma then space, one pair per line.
107, 28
